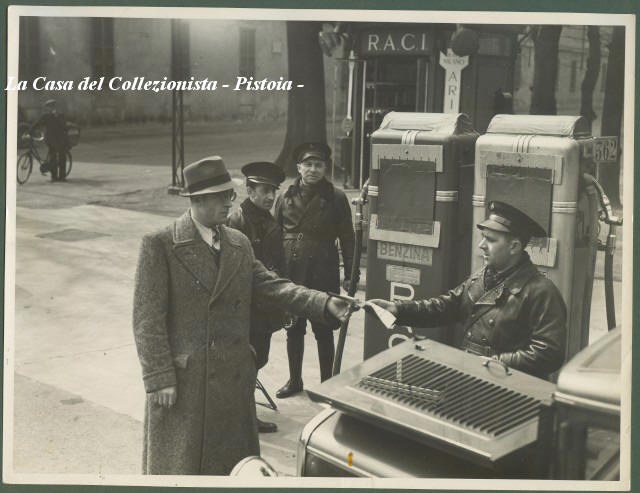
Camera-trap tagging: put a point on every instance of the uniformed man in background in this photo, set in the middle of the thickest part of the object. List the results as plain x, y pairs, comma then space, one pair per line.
254, 219
508, 310
314, 214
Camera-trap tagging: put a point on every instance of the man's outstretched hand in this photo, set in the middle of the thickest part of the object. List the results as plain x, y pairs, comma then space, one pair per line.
341, 308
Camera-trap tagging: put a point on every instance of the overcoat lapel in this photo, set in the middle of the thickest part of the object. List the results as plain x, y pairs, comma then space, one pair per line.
193, 253
230, 260
316, 205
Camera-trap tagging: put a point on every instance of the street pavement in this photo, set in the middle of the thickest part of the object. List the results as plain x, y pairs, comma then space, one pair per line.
78, 395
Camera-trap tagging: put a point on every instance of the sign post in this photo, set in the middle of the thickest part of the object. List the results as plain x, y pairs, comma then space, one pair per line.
453, 66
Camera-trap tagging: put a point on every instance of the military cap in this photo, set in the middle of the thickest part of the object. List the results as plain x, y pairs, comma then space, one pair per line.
507, 219
49, 102
263, 172
312, 149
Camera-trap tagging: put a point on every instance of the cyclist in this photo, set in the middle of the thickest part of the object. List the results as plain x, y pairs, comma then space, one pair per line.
55, 136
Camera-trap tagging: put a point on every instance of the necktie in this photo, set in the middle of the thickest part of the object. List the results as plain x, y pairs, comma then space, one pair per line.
215, 239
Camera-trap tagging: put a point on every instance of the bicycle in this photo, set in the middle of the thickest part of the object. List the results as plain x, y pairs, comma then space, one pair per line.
25, 161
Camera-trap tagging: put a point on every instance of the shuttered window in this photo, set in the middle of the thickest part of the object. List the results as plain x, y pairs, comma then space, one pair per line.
102, 49
247, 52
29, 54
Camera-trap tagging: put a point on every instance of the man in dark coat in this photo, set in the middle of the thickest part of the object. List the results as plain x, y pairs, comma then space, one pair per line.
256, 222
195, 282
508, 310
313, 215
55, 136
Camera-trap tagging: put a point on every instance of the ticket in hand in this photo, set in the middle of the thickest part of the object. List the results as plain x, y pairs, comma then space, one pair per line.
387, 318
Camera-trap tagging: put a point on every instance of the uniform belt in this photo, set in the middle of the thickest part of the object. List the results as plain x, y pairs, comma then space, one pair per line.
478, 349
307, 236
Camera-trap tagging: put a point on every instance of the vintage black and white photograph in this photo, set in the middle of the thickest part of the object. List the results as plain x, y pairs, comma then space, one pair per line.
304, 247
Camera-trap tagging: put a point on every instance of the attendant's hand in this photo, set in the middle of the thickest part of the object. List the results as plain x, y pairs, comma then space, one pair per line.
387, 305
341, 309
165, 397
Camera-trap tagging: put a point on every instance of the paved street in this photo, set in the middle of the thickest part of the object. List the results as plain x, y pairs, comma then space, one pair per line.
78, 398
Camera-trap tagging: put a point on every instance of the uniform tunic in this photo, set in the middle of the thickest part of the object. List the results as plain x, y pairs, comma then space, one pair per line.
265, 236
521, 321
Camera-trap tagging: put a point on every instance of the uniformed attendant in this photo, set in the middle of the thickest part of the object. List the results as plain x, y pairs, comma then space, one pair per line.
254, 219
508, 310
313, 215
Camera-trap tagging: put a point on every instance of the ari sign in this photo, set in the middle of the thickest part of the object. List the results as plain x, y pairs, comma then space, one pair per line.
453, 66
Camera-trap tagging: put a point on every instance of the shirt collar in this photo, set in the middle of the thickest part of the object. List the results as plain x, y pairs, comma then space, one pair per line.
211, 236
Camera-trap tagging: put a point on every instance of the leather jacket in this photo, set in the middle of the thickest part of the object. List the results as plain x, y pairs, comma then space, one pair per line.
522, 321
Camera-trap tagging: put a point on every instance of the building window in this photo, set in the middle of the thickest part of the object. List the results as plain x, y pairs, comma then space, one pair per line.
102, 47
29, 53
247, 52
574, 76
180, 58
603, 77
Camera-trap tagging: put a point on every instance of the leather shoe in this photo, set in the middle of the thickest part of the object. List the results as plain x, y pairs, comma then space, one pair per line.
289, 389
266, 426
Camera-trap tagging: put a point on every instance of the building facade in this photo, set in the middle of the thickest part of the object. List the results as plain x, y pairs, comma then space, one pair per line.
74, 48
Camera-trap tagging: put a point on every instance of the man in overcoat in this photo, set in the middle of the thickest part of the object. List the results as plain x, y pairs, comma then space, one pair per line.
314, 215
508, 310
254, 219
194, 286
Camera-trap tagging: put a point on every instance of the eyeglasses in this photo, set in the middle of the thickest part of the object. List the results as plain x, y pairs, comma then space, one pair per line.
228, 195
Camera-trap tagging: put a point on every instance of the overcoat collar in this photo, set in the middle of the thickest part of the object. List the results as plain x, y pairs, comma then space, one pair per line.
317, 203
514, 284
324, 188
259, 220
195, 255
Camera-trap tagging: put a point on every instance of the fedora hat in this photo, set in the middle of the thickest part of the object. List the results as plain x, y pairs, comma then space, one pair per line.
209, 175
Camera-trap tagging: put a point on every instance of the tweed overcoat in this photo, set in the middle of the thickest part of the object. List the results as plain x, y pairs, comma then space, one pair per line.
522, 321
191, 328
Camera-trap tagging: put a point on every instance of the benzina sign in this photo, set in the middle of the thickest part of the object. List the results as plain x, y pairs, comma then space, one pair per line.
395, 42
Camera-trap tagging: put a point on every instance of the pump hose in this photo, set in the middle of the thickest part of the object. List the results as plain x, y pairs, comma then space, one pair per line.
609, 249
353, 284
608, 285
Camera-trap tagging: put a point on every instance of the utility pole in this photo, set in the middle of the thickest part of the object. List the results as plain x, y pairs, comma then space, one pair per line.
179, 71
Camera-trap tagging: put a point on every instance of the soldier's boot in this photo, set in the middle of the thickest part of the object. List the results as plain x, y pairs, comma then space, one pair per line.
326, 353
295, 352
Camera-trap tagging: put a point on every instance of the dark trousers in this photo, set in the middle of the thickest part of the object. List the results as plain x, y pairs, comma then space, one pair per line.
295, 347
57, 163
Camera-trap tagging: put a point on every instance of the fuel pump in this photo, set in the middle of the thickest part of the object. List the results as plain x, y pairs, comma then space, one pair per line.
419, 193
